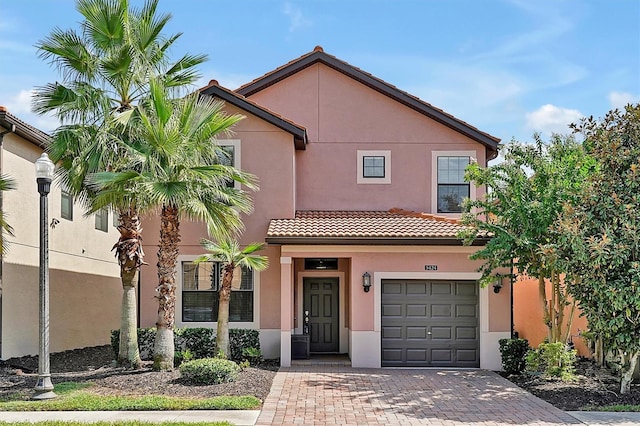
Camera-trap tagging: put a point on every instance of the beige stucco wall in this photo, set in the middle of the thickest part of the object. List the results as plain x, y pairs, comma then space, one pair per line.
84, 275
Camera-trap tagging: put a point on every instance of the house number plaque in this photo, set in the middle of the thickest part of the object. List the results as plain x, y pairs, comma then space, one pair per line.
430, 267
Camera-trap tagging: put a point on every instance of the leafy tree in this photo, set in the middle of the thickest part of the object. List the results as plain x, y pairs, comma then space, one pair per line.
177, 168
106, 68
600, 236
6, 184
229, 253
525, 196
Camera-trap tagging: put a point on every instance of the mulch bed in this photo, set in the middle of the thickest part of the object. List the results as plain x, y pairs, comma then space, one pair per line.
593, 387
95, 365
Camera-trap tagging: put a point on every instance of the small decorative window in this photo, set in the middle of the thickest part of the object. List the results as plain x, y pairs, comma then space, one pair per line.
200, 285
102, 220
452, 189
66, 204
228, 159
116, 219
373, 166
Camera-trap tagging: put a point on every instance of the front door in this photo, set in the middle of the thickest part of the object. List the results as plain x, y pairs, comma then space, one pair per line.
321, 304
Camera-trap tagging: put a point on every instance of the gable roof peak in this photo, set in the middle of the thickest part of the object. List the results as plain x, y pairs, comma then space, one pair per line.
318, 55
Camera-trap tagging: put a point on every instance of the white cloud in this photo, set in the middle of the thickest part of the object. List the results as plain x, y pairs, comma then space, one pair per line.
621, 99
296, 18
552, 119
20, 106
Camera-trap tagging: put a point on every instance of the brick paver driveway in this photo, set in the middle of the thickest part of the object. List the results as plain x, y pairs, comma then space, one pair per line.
342, 395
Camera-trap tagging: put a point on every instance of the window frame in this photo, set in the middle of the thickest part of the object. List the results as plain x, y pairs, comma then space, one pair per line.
66, 198
255, 324
235, 144
362, 179
104, 220
472, 155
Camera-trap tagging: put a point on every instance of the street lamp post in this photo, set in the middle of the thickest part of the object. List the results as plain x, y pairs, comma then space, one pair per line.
44, 175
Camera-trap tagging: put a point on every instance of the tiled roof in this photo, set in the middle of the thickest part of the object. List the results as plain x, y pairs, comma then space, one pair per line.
23, 129
395, 224
299, 132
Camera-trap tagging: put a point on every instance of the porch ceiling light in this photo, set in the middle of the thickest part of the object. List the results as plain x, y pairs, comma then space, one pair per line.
366, 282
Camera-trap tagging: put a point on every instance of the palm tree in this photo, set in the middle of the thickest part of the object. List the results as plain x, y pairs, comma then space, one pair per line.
228, 252
178, 170
6, 184
106, 68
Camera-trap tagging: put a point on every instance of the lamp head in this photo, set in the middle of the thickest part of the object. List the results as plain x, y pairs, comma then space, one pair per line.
44, 167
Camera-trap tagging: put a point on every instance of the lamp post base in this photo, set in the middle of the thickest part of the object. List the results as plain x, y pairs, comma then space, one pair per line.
44, 388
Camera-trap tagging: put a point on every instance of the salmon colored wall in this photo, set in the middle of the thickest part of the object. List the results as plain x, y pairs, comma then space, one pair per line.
527, 316
362, 306
267, 152
343, 116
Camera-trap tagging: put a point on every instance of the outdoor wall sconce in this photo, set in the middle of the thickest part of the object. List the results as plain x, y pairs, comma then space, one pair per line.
366, 282
497, 286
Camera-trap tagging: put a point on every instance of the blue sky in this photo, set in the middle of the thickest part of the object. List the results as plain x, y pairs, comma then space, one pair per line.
508, 67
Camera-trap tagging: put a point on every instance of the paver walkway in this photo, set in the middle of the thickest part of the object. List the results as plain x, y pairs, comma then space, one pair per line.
342, 395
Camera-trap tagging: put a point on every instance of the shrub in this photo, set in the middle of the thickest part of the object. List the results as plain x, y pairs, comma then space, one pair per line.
200, 341
146, 340
182, 356
210, 371
252, 355
241, 339
513, 352
552, 360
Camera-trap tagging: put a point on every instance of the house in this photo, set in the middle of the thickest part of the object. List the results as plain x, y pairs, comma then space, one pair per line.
359, 201
85, 289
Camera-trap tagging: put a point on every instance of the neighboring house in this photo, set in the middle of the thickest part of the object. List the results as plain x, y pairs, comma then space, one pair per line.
85, 289
357, 179
527, 316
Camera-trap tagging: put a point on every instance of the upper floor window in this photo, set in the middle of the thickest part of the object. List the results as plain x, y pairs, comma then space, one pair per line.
452, 188
374, 167
230, 156
200, 285
102, 219
66, 204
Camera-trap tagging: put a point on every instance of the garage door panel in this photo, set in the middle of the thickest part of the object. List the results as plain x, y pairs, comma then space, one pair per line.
441, 311
392, 310
466, 310
416, 310
429, 323
416, 333
440, 333
416, 354
391, 332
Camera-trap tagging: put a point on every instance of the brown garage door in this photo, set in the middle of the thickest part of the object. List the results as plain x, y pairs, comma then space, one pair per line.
430, 323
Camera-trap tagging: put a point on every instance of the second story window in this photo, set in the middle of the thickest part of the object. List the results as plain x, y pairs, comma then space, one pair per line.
373, 166
228, 160
66, 204
102, 220
452, 188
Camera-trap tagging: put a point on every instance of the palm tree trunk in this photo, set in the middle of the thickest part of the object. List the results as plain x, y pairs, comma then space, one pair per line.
130, 257
222, 334
164, 350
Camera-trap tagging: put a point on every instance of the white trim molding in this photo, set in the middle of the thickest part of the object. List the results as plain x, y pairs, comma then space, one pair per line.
473, 155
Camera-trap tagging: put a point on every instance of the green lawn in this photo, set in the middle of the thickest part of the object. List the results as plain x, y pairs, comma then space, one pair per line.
617, 408
76, 397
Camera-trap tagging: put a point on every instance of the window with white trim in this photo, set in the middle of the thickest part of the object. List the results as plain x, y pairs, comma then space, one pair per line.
66, 204
230, 156
452, 188
102, 220
200, 285
374, 167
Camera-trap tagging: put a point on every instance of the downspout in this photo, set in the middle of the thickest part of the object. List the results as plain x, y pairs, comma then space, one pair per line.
12, 129
511, 298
